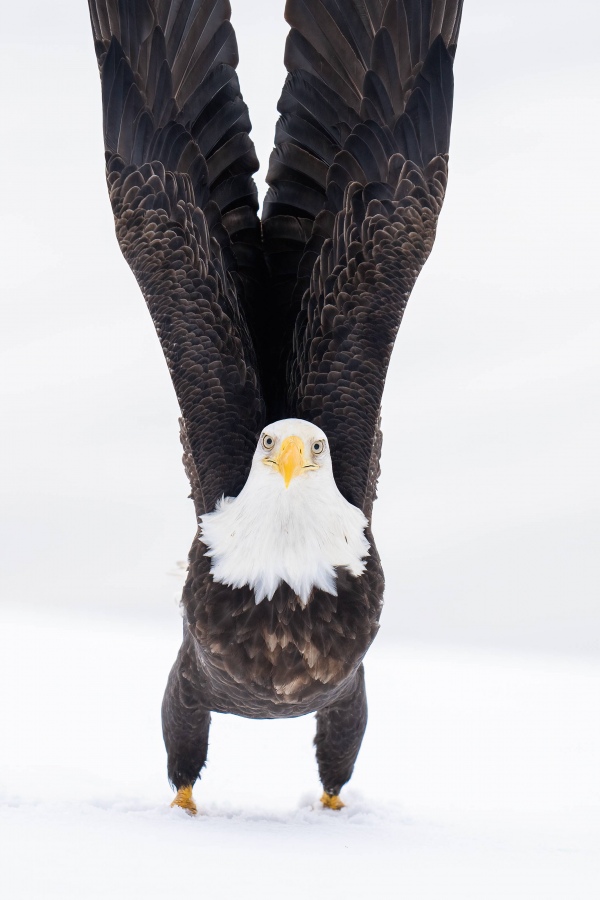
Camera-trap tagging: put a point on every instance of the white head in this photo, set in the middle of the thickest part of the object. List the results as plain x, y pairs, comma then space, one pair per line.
289, 523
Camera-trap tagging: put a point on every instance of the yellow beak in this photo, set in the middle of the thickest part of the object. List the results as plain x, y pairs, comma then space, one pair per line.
290, 459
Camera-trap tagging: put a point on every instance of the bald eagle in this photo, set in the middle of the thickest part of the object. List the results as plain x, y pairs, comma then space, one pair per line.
277, 331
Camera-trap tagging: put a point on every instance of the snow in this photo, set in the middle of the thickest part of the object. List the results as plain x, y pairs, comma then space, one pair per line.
478, 777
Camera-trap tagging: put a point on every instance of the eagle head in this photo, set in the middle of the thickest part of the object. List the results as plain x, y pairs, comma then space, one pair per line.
289, 523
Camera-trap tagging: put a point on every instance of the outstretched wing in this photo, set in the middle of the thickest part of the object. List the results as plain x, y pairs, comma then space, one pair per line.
357, 181
179, 164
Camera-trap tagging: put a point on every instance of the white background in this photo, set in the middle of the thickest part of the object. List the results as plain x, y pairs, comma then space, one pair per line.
484, 682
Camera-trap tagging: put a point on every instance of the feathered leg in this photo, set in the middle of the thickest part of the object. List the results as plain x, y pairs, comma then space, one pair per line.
185, 724
340, 730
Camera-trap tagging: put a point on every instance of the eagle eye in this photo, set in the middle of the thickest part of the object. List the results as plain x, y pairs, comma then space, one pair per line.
318, 447
268, 442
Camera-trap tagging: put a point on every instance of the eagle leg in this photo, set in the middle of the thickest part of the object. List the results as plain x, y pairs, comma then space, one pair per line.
340, 730
332, 801
185, 723
185, 800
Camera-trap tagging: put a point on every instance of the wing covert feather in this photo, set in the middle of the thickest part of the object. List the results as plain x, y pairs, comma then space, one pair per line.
371, 198
179, 164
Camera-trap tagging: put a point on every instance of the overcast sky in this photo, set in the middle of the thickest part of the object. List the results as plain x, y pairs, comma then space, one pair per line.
489, 509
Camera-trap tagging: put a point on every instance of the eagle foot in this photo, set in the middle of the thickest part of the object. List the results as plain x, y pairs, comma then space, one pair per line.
332, 801
185, 800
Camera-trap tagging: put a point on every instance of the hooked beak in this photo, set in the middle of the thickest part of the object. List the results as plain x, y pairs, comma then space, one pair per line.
290, 459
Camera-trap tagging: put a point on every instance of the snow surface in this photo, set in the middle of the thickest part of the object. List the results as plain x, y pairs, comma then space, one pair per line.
478, 777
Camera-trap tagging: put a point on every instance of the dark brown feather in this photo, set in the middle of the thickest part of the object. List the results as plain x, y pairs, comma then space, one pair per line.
394, 117
174, 117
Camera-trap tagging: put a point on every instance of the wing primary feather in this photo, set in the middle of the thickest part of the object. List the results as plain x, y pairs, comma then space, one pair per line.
179, 164
369, 97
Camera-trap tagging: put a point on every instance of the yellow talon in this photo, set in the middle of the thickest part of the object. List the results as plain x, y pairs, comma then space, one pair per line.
332, 801
185, 801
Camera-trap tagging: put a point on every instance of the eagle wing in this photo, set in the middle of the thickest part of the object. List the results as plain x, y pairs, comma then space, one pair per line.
357, 181
179, 165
